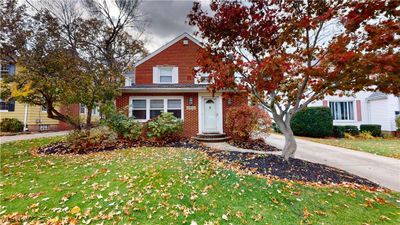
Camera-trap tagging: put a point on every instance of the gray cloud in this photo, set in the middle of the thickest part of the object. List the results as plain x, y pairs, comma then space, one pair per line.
167, 20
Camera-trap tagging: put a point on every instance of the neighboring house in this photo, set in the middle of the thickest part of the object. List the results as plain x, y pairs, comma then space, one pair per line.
363, 108
34, 117
163, 82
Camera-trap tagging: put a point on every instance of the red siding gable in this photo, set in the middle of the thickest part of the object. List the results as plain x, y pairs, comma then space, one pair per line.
178, 54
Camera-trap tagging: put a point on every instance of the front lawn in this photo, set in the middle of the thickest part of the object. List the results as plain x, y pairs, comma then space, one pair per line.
169, 186
384, 147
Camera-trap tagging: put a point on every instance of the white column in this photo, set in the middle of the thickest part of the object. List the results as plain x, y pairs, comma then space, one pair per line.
26, 118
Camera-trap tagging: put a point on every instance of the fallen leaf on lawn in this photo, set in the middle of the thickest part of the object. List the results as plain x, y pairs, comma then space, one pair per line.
239, 214
224, 217
75, 210
306, 213
384, 218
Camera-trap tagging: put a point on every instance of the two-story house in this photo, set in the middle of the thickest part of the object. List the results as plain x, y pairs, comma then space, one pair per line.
164, 81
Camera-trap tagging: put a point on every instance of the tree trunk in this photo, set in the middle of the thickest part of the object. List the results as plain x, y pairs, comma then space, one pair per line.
88, 124
290, 142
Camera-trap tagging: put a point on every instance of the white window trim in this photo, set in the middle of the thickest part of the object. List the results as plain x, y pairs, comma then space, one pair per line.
199, 75
174, 74
148, 98
354, 111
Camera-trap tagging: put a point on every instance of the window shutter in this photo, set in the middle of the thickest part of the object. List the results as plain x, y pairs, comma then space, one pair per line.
175, 75
11, 106
358, 107
156, 76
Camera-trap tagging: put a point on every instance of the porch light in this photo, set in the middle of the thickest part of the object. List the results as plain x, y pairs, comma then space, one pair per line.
190, 101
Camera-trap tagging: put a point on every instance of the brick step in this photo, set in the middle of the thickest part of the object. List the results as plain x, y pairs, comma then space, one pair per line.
211, 135
214, 139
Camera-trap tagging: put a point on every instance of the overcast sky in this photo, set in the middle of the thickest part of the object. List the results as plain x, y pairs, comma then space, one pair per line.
167, 20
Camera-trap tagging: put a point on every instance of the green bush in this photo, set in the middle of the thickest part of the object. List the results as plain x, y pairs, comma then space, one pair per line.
165, 126
124, 126
11, 125
313, 122
397, 120
375, 129
338, 131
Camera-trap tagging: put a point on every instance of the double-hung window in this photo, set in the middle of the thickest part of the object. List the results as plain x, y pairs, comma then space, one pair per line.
175, 106
139, 109
156, 107
165, 74
145, 108
201, 78
82, 109
342, 110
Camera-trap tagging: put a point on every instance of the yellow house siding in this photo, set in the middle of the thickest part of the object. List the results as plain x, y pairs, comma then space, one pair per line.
35, 115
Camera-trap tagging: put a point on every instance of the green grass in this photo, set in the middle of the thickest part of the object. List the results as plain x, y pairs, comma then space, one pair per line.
384, 147
169, 186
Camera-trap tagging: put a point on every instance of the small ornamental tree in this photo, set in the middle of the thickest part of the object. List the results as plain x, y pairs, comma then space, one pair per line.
288, 54
241, 122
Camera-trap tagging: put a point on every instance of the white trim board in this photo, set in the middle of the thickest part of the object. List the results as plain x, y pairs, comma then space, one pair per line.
162, 48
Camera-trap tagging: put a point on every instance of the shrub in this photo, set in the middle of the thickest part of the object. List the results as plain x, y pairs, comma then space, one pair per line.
397, 120
241, 122
97, 138
124, 126
366, 135
375, 129
313, 122
11, 125
166, 126
349, 136
338, 131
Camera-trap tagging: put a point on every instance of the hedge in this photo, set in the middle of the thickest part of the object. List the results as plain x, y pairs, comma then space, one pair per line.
375, 129
11, 125
313, 122
338, 131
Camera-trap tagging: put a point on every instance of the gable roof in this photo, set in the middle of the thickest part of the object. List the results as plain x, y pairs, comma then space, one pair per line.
162, 48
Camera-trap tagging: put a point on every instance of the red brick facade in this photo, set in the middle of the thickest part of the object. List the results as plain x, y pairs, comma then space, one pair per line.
178, 54
183, 56
190, 114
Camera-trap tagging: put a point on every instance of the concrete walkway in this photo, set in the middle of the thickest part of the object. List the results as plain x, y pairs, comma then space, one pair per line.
382, 170
21, 137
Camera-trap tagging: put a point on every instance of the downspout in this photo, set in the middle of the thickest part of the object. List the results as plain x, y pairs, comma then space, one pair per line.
26, 118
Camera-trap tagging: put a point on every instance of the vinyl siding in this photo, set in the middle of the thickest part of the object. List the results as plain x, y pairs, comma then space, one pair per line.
35, 115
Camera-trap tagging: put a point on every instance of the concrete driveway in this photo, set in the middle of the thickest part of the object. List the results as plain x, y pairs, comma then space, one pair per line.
382, 170
21, 137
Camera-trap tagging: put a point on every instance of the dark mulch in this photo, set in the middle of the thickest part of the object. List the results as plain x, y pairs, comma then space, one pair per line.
66, 148
295, 169
254, 144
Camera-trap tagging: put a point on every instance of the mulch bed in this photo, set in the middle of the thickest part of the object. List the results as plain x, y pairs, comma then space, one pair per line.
254, 144
65, 148
295, 169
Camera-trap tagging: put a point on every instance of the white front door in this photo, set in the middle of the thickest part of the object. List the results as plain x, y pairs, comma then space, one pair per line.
210, 115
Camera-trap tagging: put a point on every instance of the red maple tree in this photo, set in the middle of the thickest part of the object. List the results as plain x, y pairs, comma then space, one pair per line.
290, 53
